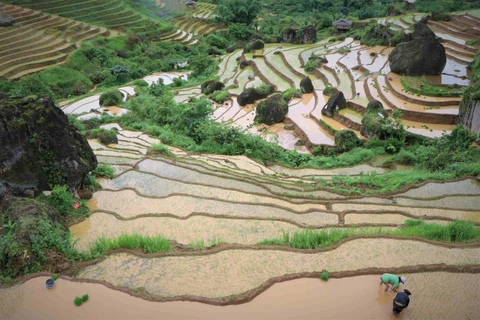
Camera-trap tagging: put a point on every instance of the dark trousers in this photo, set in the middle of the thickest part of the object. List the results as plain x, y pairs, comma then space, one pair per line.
396, 308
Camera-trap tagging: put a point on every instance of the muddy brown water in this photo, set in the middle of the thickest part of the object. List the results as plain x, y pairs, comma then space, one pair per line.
436, 295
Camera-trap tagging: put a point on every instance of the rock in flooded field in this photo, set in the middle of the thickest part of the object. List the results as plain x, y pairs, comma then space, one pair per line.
424, 55
336, 103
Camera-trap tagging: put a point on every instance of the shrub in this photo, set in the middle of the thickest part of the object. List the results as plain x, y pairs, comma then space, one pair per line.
220, 96
111, 98
264, 90
329, 90
325, 276
104, 136
84, 298
346, 140
290, 93
61, 199
103, 170
140, 83
311, 65
145, 243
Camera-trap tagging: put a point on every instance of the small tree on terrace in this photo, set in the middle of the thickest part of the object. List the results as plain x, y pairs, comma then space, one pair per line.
237, 11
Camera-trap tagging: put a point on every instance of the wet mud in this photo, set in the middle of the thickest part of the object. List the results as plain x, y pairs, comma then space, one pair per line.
434, 297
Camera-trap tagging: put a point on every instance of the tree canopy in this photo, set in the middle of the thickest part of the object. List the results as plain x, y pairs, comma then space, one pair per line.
237, 11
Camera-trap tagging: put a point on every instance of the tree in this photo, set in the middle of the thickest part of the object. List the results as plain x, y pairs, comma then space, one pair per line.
237, 11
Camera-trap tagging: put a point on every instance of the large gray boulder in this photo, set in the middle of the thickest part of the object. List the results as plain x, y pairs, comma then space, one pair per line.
424, 55
6, 21
306, 85
289, 35
308, 34
39, 148
336, 102
470, 115
272, 110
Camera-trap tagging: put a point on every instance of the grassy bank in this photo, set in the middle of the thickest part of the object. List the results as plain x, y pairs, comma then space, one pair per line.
457, 231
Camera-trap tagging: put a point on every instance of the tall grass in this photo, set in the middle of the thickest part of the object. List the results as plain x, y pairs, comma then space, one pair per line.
457, 231
134, 241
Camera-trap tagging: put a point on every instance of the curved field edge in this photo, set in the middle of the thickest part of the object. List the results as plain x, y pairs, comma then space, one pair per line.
249, 295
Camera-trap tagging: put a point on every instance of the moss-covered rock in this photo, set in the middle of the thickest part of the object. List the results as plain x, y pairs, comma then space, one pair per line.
39, 147
210, 86
424, 55
271, 111
250, 95
336, 103
376, 107
306, 85
346, 140
289, 35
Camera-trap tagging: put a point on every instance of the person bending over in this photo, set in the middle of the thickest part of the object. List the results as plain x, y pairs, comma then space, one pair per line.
392, 280
401, 301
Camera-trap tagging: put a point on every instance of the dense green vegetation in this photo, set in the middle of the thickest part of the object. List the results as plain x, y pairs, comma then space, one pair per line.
456, 231
137, 242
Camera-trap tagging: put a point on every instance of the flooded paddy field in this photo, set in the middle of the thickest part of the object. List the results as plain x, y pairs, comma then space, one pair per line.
435, 295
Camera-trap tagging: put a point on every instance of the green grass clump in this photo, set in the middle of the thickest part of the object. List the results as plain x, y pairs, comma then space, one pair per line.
324, 276
290, 93
456, 231
78, 301
135, 241
61, 199
159, 148
103, 170
55, 277
111, 98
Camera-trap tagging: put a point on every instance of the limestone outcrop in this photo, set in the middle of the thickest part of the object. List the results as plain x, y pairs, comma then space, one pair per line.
336, 102
308, 34
376, 107
40, 148
272, 110
470, 116
424, 55
210, 86
6, 21
306, 85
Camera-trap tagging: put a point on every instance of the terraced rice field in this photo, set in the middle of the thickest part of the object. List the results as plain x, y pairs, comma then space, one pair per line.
105, 13
204, 200
38, 40
362, 73
224, 205
194, 24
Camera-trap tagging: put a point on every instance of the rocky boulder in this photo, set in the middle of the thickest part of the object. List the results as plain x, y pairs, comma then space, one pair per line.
210, 86
376, 107
424, 55
308, 34
271, 111
248, 96
336, 102
40, 148
6, 21
306, 85
289, 35
470, 115
346, 140
421, 30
